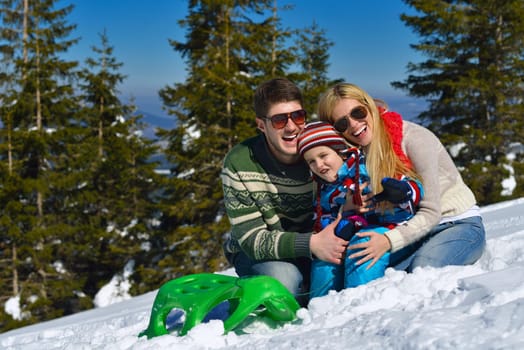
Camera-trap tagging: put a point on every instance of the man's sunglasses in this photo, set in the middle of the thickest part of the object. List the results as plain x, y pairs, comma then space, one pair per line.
357, 113
279, 121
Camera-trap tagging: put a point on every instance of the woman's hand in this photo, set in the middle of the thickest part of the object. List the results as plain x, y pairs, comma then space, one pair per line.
367, 201
326, 246
377, 246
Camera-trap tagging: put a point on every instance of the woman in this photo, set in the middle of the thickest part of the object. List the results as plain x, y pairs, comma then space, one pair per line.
447, 228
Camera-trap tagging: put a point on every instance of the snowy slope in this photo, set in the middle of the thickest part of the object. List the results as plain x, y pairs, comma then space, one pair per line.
473, 307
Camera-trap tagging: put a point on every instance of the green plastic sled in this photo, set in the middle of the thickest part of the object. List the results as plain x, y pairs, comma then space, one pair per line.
198, 294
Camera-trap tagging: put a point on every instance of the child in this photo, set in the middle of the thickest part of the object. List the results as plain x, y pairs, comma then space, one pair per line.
337, 169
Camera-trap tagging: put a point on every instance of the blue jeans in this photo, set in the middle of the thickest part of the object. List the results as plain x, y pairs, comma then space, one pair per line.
327, 276
292, 273
459, 242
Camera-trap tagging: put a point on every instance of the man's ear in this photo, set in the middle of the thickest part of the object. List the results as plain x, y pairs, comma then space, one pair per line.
260, 125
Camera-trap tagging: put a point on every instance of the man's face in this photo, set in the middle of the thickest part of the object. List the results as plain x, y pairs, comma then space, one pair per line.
282, 142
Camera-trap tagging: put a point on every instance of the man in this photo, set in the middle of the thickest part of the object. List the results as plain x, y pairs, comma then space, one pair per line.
268, 194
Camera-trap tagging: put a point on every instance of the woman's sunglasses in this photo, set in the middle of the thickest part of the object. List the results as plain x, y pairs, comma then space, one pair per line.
357, 113
279, 121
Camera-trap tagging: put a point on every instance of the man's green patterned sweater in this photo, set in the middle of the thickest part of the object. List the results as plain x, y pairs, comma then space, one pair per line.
269, 204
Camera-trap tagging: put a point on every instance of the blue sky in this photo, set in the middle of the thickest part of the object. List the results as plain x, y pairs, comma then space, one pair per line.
371, 43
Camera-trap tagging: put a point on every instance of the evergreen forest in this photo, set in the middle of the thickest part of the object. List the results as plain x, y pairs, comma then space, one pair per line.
80, 198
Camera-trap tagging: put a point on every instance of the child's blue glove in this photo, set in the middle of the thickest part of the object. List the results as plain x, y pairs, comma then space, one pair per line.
345, 229
395, 191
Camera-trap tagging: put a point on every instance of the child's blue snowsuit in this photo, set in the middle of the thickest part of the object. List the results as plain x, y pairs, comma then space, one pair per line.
327, 276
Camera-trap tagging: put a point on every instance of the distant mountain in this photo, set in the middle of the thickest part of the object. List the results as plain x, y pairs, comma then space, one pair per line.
154, 121
408, 107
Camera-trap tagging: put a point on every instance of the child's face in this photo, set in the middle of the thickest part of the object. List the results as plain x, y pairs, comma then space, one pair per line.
324, 162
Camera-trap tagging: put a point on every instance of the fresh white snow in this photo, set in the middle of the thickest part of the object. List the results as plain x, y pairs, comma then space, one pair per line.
472, 307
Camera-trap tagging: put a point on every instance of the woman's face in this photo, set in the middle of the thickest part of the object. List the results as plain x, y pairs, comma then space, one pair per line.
359, 121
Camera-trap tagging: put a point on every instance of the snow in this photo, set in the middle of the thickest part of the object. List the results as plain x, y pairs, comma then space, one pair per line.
116, 290
471, 307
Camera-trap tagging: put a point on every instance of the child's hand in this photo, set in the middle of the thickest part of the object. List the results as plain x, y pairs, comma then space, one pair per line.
367, 201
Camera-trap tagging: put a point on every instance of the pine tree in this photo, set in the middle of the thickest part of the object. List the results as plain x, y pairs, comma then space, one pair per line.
231, 48
114, 209
473, 80
41, 100
213, 109
9, 37
313, 49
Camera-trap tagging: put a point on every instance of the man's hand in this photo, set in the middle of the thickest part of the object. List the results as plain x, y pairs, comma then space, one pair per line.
328, 247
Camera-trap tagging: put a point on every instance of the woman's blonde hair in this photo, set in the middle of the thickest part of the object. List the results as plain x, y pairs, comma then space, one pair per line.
381, 159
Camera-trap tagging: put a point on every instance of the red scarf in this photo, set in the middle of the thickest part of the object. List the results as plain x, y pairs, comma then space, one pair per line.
393, 125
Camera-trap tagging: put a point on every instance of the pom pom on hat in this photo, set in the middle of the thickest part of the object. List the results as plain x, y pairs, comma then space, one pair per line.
320, 134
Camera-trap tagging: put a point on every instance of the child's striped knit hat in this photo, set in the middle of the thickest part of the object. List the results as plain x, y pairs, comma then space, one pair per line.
320, 134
